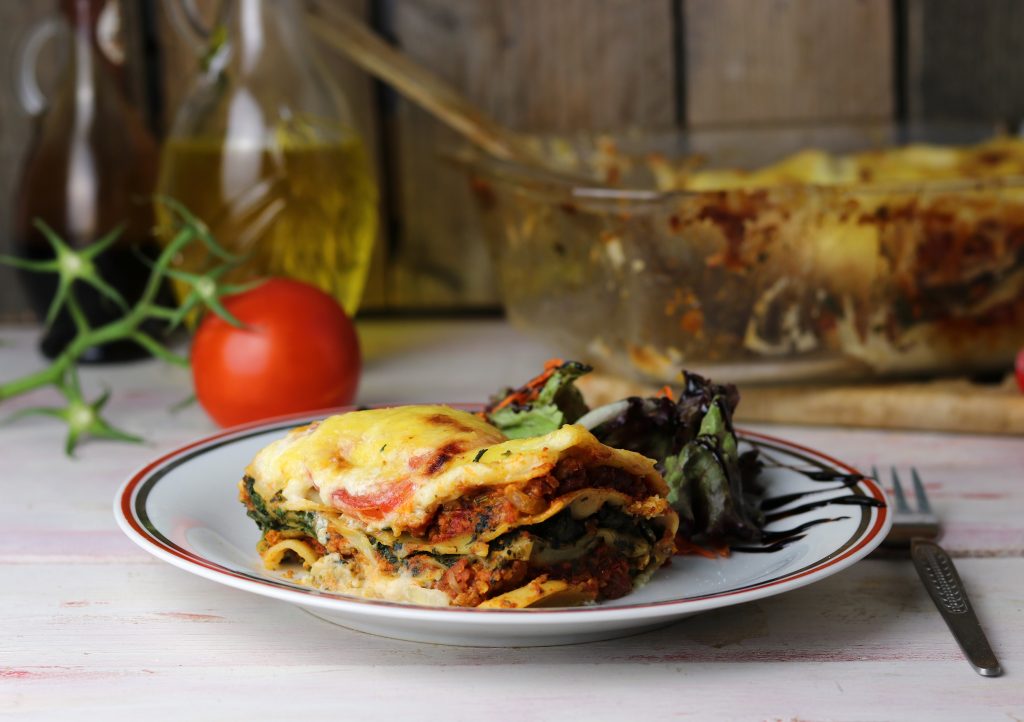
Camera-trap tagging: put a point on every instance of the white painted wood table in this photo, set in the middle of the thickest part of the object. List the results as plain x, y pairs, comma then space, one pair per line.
91, 627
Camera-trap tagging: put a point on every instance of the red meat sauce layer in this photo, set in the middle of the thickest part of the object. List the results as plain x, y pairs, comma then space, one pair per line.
490, 509
603, 574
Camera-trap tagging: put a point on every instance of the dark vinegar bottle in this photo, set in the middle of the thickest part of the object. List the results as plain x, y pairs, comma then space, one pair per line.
92, 165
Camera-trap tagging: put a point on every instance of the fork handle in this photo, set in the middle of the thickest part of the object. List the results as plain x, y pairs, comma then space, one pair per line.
940, 578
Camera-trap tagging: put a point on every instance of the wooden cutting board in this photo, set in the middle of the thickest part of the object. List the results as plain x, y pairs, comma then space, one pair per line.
942, 405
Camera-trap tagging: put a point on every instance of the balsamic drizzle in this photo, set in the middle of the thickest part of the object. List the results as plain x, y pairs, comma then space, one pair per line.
848, 500
823, 474
771, 537
773, 541
775, 502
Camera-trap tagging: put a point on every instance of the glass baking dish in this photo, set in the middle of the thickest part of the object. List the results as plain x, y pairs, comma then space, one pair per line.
797, 281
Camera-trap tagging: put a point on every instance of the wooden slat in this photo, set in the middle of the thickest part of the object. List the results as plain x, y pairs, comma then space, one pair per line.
965, 60
180, 66
535, 65
758, 61
864, 645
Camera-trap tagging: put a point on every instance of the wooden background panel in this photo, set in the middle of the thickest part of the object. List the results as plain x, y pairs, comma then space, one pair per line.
536, 66
965, 59
16, 18
787, 60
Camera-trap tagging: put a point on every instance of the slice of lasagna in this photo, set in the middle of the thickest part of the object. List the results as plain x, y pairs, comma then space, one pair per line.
431, 505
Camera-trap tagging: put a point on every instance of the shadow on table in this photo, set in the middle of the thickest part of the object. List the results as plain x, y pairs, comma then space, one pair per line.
866, 613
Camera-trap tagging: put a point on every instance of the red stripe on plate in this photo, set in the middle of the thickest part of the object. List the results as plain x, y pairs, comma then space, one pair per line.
881, 517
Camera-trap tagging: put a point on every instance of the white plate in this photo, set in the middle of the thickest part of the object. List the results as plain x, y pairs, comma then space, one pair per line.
183, 508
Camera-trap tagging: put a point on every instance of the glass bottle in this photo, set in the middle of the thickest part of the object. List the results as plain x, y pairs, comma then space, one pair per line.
265, 152
91, 165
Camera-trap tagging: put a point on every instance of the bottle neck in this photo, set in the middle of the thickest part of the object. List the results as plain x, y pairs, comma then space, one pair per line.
83, 15
82, 199
261, 28
250, 39
95, 47
83, 60
260, 70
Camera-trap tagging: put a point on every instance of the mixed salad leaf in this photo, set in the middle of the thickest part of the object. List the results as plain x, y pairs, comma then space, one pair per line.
541, 405
712, 485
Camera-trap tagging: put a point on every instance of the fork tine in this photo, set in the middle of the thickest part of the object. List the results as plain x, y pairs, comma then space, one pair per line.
922, 498
902, 507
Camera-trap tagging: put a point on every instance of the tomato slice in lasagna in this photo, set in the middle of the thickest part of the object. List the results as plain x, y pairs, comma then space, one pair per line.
432, 505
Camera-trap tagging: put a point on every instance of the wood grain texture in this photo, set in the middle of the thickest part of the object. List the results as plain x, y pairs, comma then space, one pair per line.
787, 60
536, 66
965, 60
95, 628
944, 405
16, 19
844, 649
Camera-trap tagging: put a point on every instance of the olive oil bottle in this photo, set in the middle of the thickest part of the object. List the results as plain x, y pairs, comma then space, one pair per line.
264, 151
307, 212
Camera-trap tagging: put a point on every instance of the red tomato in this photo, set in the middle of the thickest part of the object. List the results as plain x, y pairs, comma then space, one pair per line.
375, 504
1020, 369
299, 352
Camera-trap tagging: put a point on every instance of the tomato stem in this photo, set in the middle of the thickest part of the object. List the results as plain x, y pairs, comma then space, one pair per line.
82, 417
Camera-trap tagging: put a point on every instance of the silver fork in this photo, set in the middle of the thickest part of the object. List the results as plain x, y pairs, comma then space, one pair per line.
909, 524
918, 528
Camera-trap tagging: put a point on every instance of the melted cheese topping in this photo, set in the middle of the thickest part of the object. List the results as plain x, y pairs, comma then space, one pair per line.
390, 468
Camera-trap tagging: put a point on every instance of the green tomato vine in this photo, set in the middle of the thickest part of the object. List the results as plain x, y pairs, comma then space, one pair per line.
84, 417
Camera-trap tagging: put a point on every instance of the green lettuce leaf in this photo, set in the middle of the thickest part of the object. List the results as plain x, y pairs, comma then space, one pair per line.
518, 423
707, 485
713, 488
542, 405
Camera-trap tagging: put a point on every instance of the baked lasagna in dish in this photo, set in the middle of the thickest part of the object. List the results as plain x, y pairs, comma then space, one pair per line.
433, 505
